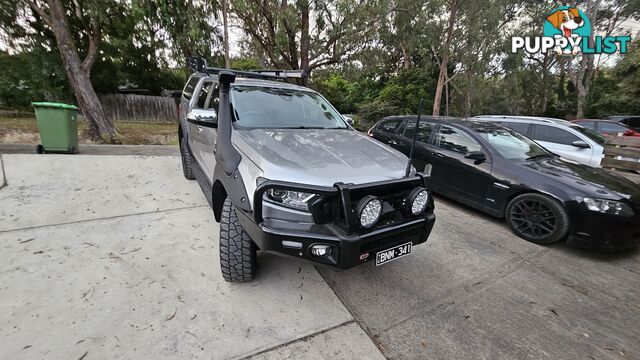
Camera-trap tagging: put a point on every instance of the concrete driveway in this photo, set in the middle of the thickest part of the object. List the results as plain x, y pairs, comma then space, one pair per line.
116, 257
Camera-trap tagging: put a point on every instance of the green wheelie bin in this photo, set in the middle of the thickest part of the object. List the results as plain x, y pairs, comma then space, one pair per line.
58, 126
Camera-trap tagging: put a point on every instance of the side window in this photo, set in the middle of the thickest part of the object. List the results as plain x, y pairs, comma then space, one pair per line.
187, 93
588, 124
634, 122
204, 93
214, 99
390, 126
522, 128
553, 135
456, 140
610, 128
424, 133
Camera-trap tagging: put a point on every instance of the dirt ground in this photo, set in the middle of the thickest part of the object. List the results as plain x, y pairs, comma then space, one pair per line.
25, 131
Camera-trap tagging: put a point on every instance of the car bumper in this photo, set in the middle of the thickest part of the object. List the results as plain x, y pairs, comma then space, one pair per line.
604, 232
347, 251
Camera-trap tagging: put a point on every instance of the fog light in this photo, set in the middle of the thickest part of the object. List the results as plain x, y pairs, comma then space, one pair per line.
320, 250
418, 200
369, 210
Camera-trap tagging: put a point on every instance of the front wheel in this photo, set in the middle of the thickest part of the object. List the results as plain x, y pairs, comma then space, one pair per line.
537, 218
238, 260
187, 160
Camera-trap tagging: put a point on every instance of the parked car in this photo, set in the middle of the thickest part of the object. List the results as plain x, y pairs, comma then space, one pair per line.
607, 127
503, 173
571, 141
629, 120
283, 172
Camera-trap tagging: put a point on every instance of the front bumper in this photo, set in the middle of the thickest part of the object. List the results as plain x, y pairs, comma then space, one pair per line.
603, 232
350, 246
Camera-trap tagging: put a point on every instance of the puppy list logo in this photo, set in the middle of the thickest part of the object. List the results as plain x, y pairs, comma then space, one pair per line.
567, 31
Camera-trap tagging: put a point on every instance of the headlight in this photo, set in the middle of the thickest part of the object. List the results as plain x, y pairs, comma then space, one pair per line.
293, 199
369, 210
418, 200
607, 206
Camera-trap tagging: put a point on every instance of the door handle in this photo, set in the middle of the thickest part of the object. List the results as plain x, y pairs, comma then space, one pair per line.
438, 154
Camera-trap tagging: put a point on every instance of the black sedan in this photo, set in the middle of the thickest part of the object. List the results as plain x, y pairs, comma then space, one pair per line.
496, 170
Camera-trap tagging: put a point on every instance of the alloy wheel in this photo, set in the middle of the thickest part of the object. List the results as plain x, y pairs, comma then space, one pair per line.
533, 219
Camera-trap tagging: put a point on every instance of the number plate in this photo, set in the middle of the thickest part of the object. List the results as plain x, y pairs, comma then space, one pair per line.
393, 253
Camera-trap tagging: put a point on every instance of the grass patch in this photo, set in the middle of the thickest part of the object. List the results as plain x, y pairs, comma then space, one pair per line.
25, 130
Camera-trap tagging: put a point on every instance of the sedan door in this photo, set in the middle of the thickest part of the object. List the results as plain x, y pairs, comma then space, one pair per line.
455, 174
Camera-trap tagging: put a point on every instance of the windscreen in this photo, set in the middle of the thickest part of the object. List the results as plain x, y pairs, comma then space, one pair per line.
511, 144
268, 107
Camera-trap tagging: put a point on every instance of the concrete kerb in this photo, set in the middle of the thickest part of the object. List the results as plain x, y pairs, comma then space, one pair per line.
3, 179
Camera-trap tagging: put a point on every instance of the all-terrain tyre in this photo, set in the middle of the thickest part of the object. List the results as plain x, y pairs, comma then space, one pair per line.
238, 258
537, 218
187, 160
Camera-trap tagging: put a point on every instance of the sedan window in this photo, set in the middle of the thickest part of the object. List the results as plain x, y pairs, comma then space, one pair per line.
588, 124
452, 139
553, 135
610, 128
424, 133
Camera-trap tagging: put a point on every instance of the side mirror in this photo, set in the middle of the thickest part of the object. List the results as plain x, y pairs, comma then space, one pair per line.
203, 115
478, 156
581, 144
348, 120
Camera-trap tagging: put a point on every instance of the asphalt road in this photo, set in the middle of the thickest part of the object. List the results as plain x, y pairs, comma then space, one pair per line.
475, 291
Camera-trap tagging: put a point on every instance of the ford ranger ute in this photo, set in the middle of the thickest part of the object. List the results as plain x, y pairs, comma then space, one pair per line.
284, 172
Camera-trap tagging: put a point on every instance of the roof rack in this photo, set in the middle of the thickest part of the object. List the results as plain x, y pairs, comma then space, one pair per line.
200, 65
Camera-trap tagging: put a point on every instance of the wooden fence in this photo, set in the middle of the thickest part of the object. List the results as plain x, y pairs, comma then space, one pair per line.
131, 107
622, 153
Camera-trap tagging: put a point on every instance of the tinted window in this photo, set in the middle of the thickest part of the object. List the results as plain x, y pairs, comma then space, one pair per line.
522, 128
553, 135
424, 134
190, 87
588, 124
610, 128
258, 107
453, 139
633, 122
389, 126
214, 100
204, 92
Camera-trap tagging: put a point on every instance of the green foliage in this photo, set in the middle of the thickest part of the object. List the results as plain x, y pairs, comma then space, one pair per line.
245, 64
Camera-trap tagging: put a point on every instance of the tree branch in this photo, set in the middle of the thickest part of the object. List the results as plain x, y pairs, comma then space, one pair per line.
40, 11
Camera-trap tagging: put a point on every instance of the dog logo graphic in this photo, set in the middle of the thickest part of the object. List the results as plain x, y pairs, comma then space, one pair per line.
568, 22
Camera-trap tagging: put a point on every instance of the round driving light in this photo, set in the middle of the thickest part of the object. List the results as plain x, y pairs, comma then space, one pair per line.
320, 250
369, 210
419, 199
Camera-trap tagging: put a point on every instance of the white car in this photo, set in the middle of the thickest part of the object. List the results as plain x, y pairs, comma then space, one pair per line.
564, 138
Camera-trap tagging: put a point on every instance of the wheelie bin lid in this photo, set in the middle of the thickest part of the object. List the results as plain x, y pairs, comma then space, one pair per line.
54, 105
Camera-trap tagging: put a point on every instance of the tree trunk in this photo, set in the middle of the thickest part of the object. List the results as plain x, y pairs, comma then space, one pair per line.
225, 25
100, 127
444, 62
305, 41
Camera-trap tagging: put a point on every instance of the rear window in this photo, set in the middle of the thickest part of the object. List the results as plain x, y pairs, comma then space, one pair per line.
389, 126
610, 128
634, 122
187, 93
553, 135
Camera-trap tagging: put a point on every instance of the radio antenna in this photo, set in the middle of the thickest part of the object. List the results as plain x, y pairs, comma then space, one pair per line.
415, 135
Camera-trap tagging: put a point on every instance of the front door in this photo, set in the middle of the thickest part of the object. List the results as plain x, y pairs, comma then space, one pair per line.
465, 180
